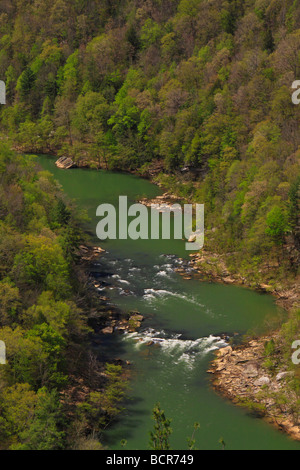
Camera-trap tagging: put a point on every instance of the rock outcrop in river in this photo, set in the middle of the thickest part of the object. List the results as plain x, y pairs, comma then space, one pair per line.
65, 163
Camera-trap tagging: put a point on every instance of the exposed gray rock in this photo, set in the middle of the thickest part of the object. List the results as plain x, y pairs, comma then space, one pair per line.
262, 381
281, 376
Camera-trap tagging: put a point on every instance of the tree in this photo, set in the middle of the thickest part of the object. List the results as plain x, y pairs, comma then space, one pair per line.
159, 438
17, 404
102, 148
90, 115
42, 263
223, 443
63, 115
9, 302
26, 82
101, 408
277, 225
44, 432
60, 214
294, 208
192, 440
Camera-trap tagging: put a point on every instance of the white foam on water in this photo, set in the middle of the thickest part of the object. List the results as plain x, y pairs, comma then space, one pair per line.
134, 269
162, 274
113, 261
125, 293
165, 270
120, 280
168, 267
160, 293
149, 297
181, 350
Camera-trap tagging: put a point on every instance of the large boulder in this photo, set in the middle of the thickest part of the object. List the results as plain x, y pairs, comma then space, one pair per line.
65, 163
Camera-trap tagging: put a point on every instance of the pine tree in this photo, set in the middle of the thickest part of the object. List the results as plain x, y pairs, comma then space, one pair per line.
159, 438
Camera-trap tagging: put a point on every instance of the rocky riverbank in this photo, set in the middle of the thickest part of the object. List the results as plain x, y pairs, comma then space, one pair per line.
209, 266
240, 375
232, 382
165, 200
212, 267
114, 321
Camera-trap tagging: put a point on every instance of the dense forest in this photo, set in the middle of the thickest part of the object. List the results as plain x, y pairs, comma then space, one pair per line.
196, 92
53, 393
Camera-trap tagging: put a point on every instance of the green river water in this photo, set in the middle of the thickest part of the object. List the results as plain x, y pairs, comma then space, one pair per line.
184, 318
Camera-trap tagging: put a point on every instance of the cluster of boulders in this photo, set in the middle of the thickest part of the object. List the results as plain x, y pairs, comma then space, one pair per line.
115, 321
91, 253
129, 325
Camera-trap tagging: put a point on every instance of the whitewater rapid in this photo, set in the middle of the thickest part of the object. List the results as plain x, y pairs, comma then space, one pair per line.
175, 346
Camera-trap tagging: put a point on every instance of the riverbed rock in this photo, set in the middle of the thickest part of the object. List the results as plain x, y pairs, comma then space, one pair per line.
165, 202
65, 163
240, 375
265, 287
90, 253
224, 351
262, 381
281, 376
193, 237
229, 280
98, 249
136, 317
122, 327
107, 331
251, 369
220, 367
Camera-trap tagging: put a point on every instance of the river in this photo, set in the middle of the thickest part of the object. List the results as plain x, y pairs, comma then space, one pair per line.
183, 318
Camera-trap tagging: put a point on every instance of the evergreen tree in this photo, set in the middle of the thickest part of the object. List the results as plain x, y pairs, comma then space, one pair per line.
160, 436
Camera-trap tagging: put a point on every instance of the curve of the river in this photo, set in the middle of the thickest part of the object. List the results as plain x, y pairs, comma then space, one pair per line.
184, 320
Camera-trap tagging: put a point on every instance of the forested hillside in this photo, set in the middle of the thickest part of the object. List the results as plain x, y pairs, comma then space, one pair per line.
198, 89
44, 320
